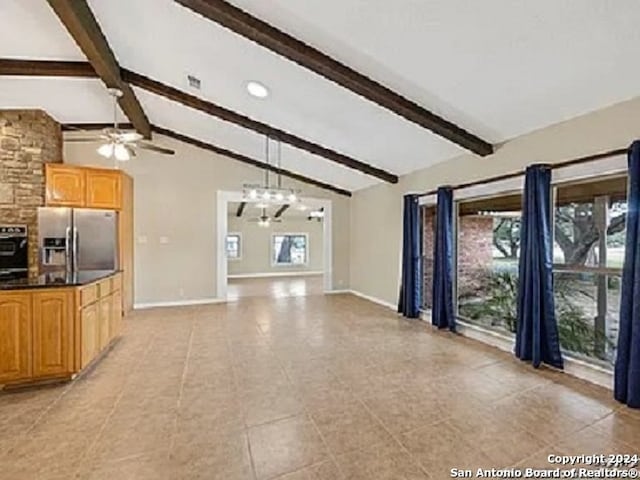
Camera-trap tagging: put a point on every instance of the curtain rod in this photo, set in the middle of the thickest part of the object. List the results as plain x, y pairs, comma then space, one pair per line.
506, 176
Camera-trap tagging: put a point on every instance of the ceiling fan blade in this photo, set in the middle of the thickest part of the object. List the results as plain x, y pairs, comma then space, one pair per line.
95, 138
128, 137
155, 148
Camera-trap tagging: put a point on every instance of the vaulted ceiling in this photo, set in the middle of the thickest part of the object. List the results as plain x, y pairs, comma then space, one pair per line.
497, 69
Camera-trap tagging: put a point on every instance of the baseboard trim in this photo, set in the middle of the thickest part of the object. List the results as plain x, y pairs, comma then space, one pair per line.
379, 301
337, 292
277, 274
178, 303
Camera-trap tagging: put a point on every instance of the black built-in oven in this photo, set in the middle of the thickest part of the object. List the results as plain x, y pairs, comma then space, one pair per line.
14, 252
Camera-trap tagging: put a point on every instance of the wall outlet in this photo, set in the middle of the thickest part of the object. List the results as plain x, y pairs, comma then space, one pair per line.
181, 292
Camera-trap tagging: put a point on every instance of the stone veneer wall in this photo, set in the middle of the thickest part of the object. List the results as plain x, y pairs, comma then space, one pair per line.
28, 140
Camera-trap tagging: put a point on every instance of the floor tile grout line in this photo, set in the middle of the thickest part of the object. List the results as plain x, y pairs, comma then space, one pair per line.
245, 429
181, 389
396, 439
98, 435
309, 418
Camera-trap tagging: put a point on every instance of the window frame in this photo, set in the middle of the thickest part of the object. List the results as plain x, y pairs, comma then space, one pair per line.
274, 263
240, 242
508, 189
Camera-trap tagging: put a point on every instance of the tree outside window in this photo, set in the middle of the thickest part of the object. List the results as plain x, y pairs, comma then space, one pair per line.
289, 249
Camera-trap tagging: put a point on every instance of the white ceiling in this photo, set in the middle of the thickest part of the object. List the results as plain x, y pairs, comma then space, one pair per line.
499, 68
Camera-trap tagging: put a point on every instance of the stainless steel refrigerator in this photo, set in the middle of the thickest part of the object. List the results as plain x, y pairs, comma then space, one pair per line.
73, 239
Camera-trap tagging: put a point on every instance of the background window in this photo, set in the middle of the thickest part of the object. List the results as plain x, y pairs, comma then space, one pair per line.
487, 260
589, 238
289, 249
233, 246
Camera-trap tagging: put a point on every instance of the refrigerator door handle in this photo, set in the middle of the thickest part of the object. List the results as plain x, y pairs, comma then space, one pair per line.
67, 248
76, 241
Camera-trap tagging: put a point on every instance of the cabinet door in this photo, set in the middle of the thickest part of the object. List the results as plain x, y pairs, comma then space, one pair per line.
65, 186
90, 337
105, 321
52, 332
104, 189
15, 337
116, 314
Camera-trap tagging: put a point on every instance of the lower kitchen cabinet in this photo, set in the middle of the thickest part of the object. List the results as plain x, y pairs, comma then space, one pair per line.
105, 321
90, 334
52, 332
15, 337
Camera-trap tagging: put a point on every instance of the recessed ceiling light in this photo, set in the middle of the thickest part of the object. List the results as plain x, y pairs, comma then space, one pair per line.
257, 89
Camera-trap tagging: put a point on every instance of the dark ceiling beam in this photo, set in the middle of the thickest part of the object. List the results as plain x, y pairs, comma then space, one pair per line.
249, 160
281, 210
72, 69
46, 68
78, 19
70, 127
225, 114
74, 127
266, 35
240, 209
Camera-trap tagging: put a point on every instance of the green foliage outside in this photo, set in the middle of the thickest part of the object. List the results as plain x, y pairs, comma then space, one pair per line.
498, 310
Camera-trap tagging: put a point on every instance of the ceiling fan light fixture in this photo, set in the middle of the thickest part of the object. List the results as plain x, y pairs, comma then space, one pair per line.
106, 150
257, 89
121, 153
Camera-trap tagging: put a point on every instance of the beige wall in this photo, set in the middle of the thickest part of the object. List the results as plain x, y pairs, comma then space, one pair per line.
175, 198
375, 264
256, 245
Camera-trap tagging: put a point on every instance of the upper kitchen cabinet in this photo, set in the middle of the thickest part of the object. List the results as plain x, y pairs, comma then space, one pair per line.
65, 186
104, 189
82, 187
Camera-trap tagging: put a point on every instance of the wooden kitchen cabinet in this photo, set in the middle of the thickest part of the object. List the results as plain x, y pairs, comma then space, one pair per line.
55, 332
52, 314
116, 314
65, 186
90, 334
104, 189
15, 336
105, 321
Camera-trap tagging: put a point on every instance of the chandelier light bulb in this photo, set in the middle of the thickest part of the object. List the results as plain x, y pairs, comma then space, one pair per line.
279, 196
266, 195
292, 197
253, 194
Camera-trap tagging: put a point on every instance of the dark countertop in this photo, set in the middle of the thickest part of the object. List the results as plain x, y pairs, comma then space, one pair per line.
57, 279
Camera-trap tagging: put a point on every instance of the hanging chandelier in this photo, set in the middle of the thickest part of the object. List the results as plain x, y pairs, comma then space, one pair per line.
266, 193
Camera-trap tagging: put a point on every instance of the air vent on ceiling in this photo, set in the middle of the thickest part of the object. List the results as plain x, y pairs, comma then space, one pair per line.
194, 82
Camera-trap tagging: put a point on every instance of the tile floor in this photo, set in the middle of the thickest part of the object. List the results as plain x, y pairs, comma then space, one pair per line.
276, 287
316, 387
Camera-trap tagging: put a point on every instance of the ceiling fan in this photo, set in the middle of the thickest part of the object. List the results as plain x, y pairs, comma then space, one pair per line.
118, 143
264, 220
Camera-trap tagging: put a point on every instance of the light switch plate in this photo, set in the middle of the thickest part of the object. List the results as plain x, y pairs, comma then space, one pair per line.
142, 239
164, 240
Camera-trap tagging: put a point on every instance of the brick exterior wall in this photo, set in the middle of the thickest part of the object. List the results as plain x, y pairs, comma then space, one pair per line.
475, 252
28, 140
